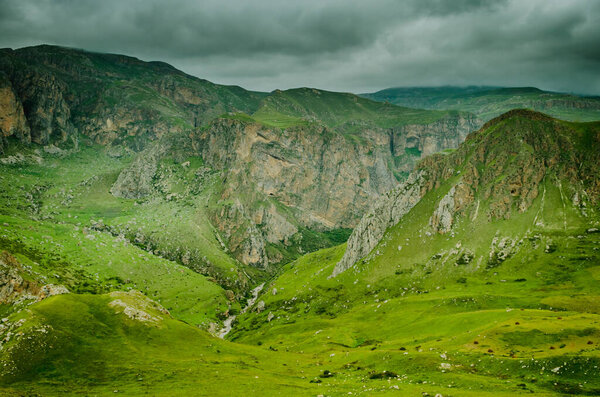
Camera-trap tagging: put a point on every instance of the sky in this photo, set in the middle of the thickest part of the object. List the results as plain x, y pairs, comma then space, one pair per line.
342, 45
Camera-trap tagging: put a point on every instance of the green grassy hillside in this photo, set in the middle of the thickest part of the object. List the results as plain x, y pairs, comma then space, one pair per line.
123, 343
489, 102
59, 217
503, 305
304, 105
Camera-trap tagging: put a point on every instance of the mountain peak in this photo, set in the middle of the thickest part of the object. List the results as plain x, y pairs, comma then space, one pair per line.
497, 173
526, 113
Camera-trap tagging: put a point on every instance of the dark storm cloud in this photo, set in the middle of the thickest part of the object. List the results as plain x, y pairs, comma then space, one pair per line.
346, 45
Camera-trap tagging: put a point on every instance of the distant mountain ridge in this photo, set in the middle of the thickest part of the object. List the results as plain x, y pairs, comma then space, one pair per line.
488, 101
63, 95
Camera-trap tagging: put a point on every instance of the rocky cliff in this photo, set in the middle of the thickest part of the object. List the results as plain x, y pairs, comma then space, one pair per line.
12, 117
414, 141
496, 173
279, 182
385, 213
294, 165
280, 186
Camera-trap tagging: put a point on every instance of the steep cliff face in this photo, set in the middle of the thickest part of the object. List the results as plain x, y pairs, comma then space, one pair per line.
318, 172
12, 117
282, 185
46, 110
385, 213
277, 182
415, 141
496, 173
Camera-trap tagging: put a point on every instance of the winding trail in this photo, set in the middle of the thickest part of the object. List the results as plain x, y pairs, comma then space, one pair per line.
228, 323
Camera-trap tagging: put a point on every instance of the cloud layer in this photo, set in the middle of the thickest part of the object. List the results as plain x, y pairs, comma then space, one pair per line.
346, 45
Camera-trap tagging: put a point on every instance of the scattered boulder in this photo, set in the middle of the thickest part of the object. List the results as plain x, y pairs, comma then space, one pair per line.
137, 306
54, 150
326, 374
382, 375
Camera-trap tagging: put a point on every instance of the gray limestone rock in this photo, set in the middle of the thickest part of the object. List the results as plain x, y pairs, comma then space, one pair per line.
385, 213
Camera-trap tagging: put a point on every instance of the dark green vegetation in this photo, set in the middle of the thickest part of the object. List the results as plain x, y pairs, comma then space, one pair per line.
489, 102
156, 176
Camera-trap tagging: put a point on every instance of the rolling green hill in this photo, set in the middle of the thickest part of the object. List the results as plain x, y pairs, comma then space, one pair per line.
304, 105
124, 343
489, 102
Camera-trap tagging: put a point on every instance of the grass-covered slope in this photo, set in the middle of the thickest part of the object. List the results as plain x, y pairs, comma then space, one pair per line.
503, 302
58, 216
301, 106
124, 343
489, 102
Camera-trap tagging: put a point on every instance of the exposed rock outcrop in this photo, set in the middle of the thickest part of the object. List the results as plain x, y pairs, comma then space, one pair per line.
138, 307
15, 287
136, 180
312, 169
385, 213
441, 220
422, 140
12, 117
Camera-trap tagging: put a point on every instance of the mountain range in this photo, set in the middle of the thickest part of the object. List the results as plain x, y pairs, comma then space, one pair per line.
417, 240
489, 102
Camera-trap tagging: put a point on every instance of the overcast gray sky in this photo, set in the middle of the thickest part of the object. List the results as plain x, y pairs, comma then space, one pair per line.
343, 45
